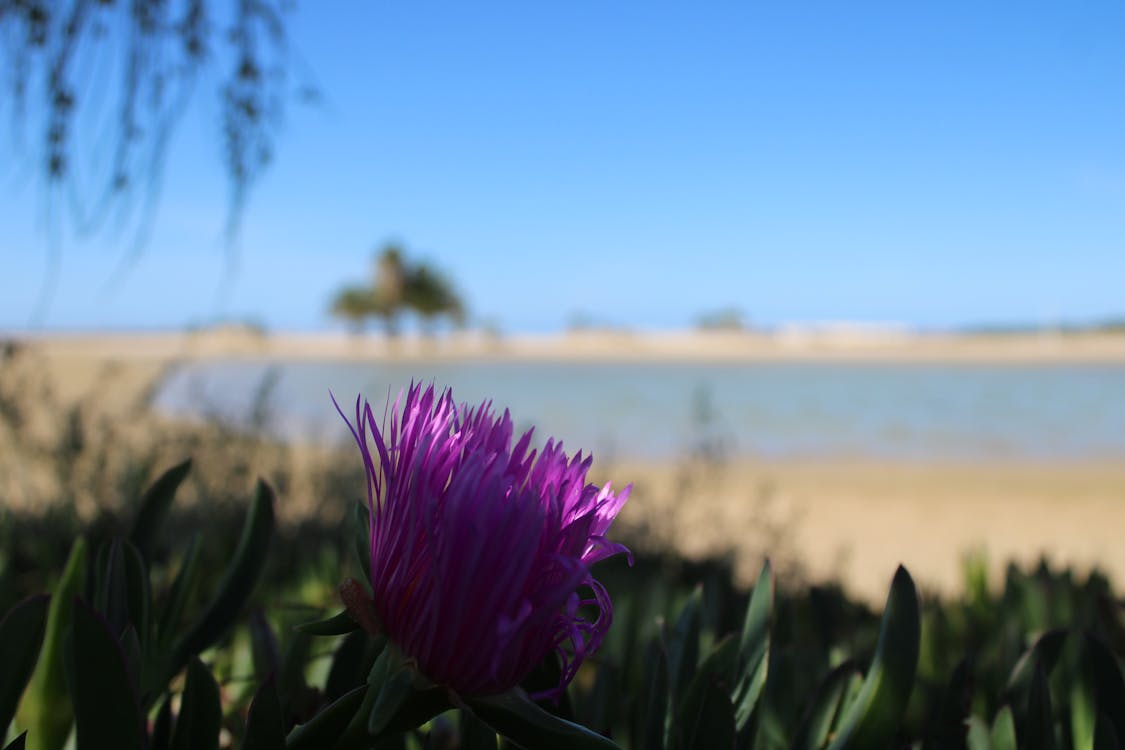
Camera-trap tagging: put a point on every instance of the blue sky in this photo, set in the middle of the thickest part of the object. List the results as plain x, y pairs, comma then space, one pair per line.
640, 163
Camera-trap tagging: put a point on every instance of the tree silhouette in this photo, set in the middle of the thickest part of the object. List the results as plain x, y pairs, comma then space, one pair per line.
157, 52
389, 286
430, 295
397, 286
354, 304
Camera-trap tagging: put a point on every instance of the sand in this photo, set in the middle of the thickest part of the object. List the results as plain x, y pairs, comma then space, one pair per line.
832, 344
819, 520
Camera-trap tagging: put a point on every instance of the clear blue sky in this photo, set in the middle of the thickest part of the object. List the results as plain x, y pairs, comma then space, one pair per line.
642, 162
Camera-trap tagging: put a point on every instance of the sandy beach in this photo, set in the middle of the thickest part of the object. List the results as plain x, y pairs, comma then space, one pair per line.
848, 521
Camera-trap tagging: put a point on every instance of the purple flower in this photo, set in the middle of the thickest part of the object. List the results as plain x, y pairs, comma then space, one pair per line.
481, 550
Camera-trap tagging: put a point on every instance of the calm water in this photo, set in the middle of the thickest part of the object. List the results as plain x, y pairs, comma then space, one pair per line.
907, 411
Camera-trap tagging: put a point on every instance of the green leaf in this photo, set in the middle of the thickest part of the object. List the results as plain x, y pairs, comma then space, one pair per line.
179, 594
325, 728
265, 726
518, 718
351, 662
683, 646
683, 657
824, 708
978, 737
654, 699
154, 507
397, 699
1003, 730
1046, 651
237, 584
1039, 726
138, 592
201, 713
707, 715
951, 720
391, 697
111, 596
19, 743
338, 624
753, 649
475, 734
161, 738
134, 659
1108, 683
291, 684
362, 538
264, 651
876, 713
46, 709
106, 705
698, 702
1105, 736
1083, 712
21, 635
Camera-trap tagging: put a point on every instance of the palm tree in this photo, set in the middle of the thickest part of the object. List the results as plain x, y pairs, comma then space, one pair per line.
389, 286
355, 304
396, 285
428, 293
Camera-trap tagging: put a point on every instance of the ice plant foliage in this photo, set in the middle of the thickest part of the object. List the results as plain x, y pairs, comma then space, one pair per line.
481, 549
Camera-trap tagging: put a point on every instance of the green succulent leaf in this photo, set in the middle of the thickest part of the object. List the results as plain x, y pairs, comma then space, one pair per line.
876, 713
977, 736
134, 658
1083, 713
21, 635
683, 656
264, 650
1045, 651
362, 539
46, 710
178, 595
716, 669
324, 729
398, 699
111, 596
19, 743
107, 708
1105, 736
654, 698
953, 715
340, 623
138, 592
475, 734
237, 584
351, 662
707, 714
1003, 736
161, 738
391, 697
1108, 684
265, 724
824, 708
514, 715
154, 507
201, 713
291, 684
753, 649
1039, 725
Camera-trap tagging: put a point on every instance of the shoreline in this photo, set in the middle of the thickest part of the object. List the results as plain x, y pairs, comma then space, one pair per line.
594, 346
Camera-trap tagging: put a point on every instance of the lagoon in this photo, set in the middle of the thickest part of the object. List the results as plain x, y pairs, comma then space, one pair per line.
917, 411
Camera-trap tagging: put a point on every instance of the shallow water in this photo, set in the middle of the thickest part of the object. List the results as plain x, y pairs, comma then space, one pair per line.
653, 410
